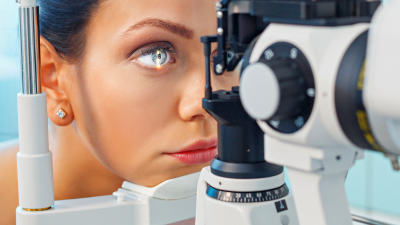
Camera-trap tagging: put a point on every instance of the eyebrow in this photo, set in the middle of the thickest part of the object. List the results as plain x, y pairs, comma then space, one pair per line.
172, 27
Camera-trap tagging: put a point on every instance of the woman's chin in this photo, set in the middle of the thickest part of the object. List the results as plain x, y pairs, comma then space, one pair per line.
177, 169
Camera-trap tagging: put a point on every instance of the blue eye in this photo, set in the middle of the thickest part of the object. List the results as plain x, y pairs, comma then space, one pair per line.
160, 57
156, 58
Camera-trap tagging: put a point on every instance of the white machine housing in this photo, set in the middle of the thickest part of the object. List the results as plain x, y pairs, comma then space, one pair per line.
324, 48
210, 211
318, 155
169, 202
381, 93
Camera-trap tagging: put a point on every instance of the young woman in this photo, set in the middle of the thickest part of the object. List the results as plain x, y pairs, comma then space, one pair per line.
129, 77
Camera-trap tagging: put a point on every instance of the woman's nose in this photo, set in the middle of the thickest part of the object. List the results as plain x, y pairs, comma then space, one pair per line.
192, 94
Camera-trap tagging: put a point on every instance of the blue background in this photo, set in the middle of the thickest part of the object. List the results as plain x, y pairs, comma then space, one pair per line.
371, 184
10, 81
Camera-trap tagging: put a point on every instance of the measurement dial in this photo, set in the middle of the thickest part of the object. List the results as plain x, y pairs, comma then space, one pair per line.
259, 196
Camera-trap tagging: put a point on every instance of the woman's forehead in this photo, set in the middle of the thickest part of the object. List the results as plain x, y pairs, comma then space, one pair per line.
119, 15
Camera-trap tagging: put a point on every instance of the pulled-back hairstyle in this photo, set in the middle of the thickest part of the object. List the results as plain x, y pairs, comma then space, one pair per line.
63, 23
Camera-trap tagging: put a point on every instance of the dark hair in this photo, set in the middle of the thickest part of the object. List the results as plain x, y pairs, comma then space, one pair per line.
63, 23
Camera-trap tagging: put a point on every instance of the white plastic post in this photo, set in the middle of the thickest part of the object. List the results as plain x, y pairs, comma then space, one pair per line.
35, 168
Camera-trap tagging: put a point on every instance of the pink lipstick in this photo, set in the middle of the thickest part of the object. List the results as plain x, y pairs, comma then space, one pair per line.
199, 152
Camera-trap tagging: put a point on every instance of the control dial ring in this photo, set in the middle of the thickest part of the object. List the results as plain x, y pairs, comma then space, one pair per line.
248, 197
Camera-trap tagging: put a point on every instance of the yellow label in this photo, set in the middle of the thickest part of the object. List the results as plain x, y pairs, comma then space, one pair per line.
366, 129
360, 82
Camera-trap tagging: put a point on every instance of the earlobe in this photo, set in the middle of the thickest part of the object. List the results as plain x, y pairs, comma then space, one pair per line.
57, 98
60, 114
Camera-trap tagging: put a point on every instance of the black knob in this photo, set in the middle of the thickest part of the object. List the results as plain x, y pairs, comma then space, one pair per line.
292, 88
279, 88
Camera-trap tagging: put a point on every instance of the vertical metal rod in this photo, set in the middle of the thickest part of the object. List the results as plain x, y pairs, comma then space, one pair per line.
208, 89
30, 50
207, 40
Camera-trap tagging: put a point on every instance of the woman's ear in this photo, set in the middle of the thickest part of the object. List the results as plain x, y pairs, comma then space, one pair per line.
57, 98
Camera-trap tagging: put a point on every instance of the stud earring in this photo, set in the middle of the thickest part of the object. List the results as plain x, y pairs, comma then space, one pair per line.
61, 114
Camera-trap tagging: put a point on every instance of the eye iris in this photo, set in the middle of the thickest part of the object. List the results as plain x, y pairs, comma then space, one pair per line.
159, 57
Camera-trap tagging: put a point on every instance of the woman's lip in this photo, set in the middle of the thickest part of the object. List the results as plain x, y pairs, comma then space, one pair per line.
197, 156
200, 145
201, 151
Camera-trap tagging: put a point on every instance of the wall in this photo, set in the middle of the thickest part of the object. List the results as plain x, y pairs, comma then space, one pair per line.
10, 81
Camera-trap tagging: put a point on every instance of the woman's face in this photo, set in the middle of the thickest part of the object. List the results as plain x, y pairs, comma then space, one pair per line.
137, 93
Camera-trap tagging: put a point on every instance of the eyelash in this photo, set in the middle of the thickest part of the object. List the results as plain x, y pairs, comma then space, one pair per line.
150, 50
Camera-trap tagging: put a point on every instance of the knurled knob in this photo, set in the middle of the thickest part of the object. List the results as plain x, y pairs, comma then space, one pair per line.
275, 91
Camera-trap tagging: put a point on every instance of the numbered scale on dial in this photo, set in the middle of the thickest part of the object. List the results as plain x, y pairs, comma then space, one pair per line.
259, 196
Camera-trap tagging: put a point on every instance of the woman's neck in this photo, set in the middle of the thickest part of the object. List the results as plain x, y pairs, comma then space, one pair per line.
77, 171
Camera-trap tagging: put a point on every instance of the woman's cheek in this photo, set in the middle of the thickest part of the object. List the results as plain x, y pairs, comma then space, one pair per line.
225, 81
130, 106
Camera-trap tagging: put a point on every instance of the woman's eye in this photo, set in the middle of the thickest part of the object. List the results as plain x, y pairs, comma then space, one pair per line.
156, 58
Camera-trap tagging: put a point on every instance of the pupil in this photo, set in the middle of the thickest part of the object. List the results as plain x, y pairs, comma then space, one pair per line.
159, 57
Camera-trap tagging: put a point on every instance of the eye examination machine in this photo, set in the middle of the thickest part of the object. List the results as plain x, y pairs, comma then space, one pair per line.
319, 84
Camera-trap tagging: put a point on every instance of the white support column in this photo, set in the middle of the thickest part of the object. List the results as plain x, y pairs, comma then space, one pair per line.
35, 169
320, 199
317, 177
